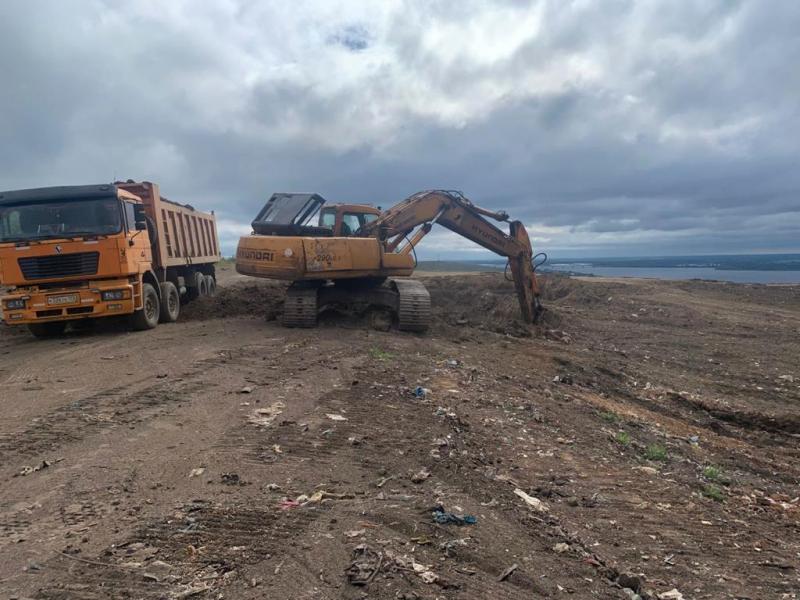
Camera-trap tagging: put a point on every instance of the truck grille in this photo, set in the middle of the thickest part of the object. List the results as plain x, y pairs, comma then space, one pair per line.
59, 265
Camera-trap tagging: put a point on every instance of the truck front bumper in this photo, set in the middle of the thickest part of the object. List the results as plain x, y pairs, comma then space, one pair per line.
99, 299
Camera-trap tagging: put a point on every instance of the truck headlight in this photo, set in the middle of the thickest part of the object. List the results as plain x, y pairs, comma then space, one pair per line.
113, 295
15, 304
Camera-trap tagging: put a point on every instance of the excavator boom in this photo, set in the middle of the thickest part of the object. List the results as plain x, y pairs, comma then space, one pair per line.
455, 212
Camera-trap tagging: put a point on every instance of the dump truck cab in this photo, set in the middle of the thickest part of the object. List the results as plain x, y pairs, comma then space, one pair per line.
81, 252
71, 252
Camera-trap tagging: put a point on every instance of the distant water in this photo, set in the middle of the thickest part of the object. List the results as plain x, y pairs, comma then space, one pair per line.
682, 273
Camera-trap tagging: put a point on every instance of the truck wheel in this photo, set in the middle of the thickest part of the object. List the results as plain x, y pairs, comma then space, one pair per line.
170, 303
193, 286
147, 317
47, 330
211, 285
203, 285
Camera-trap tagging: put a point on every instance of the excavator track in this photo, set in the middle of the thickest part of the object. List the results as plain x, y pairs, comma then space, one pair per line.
413, 305
300, 306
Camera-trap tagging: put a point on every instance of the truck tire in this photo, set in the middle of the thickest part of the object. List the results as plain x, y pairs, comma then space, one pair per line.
211, 285
47, 330
170, 303
203, 287
193, 285
147, 317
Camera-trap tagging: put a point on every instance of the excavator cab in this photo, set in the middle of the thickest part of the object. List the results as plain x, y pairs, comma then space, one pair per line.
347, 219
292, 215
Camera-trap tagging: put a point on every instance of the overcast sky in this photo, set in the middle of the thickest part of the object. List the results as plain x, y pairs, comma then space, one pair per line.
609, 127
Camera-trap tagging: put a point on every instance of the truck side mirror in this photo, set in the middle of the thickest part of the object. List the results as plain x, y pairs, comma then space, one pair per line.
140, 217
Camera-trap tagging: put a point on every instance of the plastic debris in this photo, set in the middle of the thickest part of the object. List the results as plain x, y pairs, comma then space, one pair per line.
355, 533
197, 472
263, 417
248, 389
561, 547
335, 417
534, 503
420, 476
365, 565
287, 504
28, 470
507, 573
421, 392
441, 516
673, 594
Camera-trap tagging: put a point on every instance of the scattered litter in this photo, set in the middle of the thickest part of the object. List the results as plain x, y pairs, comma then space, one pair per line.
421, 392
565, 379
335, 417
248, 389
561, 548
408, 563
276, 448
355, 533
315, 498
287, 504
673, 594
507, 573
452, 362
383, 481
441, 516
420, 476
264, 417
449, 546
694, 440
648, 470
197, 472
789, 378
231, 479
365, 565
28, 470
429, 577
534, 503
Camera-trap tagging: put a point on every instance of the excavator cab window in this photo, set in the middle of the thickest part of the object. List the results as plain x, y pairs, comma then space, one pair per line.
350, 223
289, 214
327, 217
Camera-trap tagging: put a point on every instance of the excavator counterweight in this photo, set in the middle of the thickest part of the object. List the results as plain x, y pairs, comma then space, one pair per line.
356, 255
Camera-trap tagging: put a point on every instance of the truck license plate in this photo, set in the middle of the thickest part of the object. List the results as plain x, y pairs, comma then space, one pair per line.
63, 299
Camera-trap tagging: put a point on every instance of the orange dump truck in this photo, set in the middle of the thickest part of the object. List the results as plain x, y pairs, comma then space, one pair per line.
84, 252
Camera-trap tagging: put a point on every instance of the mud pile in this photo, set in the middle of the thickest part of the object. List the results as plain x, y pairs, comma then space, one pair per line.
261, 299
489, 302
486, 301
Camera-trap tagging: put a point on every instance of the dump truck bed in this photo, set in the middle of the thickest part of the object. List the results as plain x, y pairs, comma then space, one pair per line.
186, 236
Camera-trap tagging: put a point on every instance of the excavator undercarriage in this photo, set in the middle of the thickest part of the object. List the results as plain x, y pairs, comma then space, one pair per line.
406, 299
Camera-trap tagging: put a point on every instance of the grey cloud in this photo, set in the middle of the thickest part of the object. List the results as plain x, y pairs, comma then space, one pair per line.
676, 131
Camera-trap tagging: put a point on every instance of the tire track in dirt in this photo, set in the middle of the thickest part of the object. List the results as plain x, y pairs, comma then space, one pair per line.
82, 418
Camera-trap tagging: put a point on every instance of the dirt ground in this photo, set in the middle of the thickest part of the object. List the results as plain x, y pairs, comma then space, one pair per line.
641, 443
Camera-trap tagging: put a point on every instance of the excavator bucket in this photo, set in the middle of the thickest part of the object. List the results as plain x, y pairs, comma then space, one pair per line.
524, 276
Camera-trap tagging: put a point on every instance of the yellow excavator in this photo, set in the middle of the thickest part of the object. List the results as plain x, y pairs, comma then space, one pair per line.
359, 256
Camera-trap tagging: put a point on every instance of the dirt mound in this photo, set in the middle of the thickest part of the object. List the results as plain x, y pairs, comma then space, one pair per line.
486, 301
261, 299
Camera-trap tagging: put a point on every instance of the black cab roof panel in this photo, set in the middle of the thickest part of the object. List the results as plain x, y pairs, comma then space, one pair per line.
69, 192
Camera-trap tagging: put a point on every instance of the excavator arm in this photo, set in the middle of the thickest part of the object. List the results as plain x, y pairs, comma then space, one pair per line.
455, 212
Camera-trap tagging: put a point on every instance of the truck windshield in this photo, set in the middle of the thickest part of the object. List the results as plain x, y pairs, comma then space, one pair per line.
59, 218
